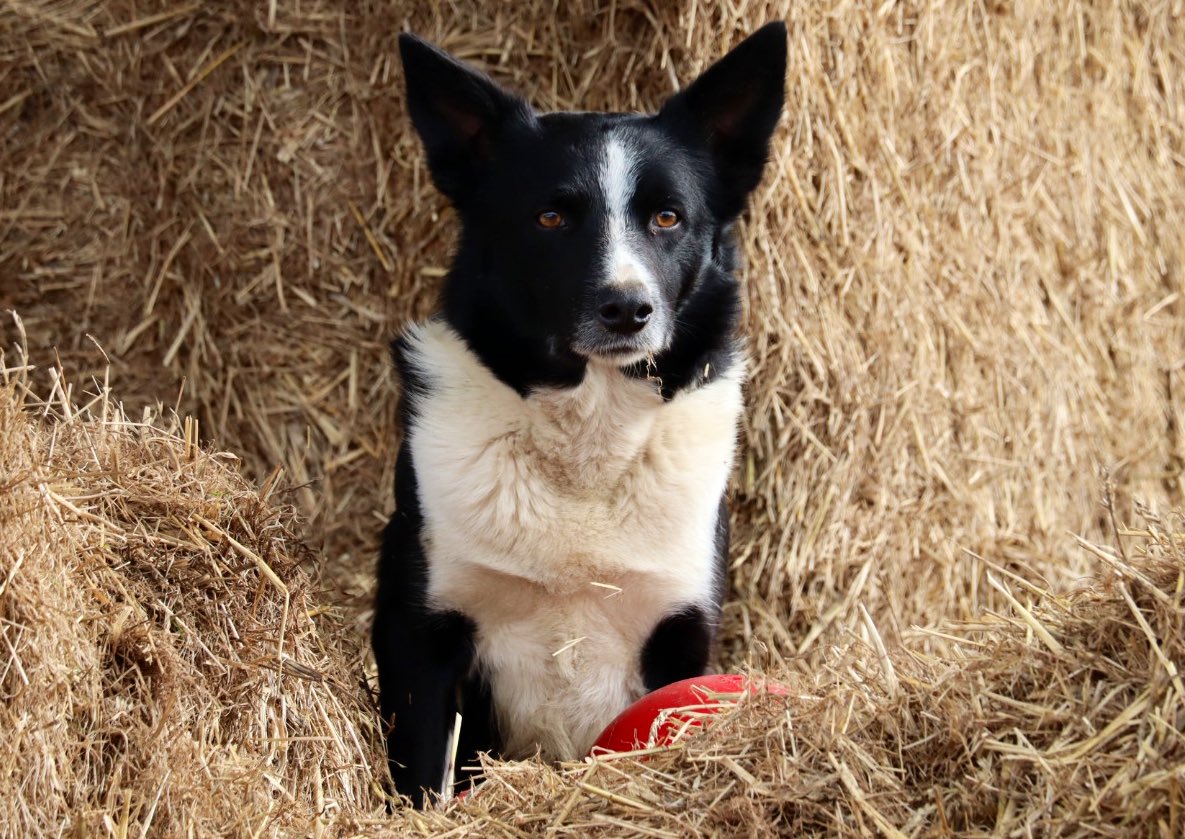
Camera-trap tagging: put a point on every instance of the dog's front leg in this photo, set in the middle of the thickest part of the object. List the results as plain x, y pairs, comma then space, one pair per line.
423, 656
678, 648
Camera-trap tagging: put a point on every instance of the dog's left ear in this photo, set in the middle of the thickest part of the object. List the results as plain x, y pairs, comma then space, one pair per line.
459, 113
732, 109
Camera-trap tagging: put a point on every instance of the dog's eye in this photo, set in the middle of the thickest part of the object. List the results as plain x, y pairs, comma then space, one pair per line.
550, 220
666, 219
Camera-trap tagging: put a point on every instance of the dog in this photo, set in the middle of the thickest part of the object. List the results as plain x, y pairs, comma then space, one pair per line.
559, 543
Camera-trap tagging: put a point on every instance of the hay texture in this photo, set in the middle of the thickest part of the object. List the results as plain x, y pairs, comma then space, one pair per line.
162, 665
965, 303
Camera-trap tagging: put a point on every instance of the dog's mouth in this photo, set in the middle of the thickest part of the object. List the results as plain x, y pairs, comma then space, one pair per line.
620, 351
618, 357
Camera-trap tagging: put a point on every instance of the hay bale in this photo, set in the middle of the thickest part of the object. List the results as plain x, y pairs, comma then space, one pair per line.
965, 284
164, 666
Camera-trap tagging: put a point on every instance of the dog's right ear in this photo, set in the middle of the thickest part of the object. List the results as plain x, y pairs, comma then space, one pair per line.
458, 112
732, 109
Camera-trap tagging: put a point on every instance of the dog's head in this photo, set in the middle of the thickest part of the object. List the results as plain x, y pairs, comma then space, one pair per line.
585, 234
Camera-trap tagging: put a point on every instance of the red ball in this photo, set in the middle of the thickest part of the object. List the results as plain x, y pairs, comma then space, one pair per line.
658, 717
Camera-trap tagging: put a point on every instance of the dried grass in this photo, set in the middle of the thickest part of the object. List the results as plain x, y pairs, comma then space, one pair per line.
966, 300
164, 666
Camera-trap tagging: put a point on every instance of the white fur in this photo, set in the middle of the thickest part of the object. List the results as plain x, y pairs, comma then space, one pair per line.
619, 175
538, 510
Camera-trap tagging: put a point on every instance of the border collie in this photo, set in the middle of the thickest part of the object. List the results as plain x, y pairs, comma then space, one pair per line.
559, 542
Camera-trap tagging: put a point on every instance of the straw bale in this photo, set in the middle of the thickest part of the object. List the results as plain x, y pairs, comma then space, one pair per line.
965, 295
164, 665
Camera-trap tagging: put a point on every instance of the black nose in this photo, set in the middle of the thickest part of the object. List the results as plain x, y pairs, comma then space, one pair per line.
624, 310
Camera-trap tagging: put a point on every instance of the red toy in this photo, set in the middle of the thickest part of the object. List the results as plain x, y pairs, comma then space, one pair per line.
672, 710
658, 718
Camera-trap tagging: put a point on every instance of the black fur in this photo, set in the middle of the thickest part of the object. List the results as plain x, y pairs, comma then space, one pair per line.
518, 294
705, 338
526, 297
678, 648
423, 655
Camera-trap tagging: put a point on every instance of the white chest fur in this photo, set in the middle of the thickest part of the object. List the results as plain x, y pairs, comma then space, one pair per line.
565, 525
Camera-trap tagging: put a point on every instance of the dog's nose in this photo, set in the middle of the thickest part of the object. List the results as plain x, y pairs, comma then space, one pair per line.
624, 310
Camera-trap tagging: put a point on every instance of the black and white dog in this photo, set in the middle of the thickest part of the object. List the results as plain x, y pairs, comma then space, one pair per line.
559, 541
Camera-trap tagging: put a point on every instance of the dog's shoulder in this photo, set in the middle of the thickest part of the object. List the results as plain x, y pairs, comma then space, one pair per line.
439, 373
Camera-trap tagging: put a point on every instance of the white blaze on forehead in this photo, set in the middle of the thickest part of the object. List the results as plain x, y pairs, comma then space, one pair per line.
619, 176
619, 181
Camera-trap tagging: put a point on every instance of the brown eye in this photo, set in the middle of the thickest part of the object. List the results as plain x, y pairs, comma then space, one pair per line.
550, 220
666, 219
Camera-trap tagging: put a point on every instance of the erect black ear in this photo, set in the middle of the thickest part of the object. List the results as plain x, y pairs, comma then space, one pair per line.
458, 112
732, 108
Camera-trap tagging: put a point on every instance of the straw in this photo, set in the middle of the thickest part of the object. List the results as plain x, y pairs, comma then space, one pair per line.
964, 304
